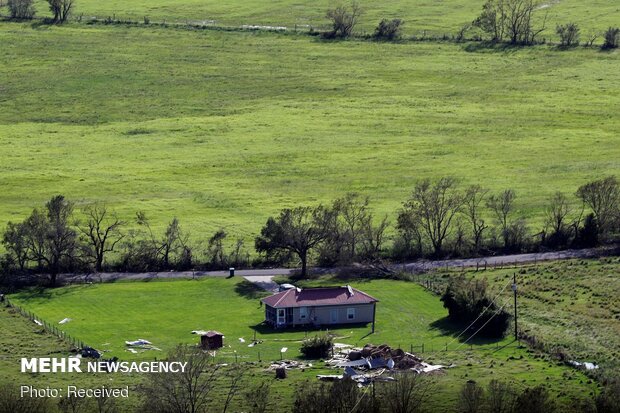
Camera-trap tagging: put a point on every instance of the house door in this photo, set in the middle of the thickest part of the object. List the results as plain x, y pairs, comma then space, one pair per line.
333, 315
281, 316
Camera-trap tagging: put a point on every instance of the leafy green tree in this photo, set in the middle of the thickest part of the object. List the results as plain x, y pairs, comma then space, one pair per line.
297, 231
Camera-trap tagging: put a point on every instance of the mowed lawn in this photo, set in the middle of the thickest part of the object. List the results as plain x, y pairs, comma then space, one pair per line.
433, 17
224, 129
164, 312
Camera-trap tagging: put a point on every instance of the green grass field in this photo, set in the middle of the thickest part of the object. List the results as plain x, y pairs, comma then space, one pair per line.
570, 307
224, 129
164, 312
436, 17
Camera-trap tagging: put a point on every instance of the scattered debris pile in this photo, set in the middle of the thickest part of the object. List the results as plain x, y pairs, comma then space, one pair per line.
288, 365
373, 361
141, 344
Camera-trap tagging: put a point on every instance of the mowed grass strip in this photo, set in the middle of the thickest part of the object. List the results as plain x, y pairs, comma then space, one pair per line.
224, 129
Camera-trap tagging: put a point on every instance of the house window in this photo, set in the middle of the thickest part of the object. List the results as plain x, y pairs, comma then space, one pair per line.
303, 313
351, 313
281, 316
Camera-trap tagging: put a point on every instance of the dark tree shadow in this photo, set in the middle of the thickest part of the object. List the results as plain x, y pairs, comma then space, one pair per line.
453, 329
250, 290
264, 328
492, 47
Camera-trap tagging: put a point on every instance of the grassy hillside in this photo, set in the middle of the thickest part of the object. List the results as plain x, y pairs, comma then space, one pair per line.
420, 16
569, 307
224, 129
164, 312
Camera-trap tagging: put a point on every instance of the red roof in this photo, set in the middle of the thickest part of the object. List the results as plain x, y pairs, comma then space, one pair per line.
312, 297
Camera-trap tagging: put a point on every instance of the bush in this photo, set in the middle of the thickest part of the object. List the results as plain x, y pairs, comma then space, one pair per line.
609, 399
10, 401
535, 400
612, 38
317, 347
343, 20
21, 9
339, 396
466, 300
471, 398
388, 29
569, 34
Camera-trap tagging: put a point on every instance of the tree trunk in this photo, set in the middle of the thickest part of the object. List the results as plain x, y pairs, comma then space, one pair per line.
304, 263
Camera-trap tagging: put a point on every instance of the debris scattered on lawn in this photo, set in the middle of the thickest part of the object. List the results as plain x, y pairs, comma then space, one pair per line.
199, 332
374, 361
283, 349
138, 342
241, 340
288, 365
37, 322
64, 321
142, 344
254, 343
90, 352
585, 365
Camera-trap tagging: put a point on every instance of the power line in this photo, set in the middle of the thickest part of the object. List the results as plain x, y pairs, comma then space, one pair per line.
481, 314
484, 325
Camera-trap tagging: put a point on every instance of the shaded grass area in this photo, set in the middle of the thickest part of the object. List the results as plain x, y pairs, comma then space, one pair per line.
224, 129
568, 308
164, 312
420, 16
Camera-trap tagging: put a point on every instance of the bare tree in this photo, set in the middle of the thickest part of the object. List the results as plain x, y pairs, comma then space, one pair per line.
501, 397
353, 212
510, 20
21, 9
257, 397
298, 231
408, 394
502, 206
435, 205
603, 197
185, 392
174, 240
101, 232
234, 378
410, 229
475, 196
471, 398
61, 9
373, 239
557, 212
343, 19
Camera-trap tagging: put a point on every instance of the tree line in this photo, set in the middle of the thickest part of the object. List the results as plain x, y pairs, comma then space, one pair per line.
438, 219
501, 21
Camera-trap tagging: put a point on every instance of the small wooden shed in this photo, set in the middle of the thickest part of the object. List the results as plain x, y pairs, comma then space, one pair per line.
212, 340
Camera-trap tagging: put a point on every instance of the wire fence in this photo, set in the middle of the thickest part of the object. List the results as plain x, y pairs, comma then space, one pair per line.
48, 327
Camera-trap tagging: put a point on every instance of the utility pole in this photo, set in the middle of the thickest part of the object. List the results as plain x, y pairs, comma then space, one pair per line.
514, 289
